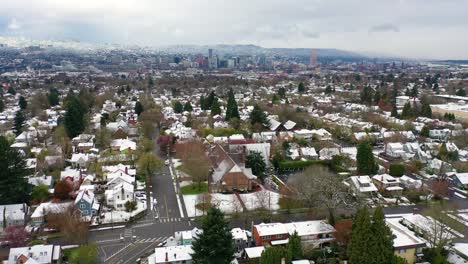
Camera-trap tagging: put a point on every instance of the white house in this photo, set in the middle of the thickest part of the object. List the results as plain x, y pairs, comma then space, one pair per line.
361, 185
38, 254
394, 150
172, 254
119, 195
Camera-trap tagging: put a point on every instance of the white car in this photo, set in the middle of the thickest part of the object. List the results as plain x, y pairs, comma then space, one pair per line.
167, 162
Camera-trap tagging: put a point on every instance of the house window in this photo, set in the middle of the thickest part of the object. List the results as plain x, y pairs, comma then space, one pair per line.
82, 206
278, 236
402, 251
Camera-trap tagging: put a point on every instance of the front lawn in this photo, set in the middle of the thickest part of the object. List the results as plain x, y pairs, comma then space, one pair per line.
194, 188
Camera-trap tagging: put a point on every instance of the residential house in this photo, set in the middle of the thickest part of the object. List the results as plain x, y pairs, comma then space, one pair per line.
265, 233
460, 180
309, 153
38, 216
119, 195
227, 175
328, 153
124, 146
13, 215
312, 233
40, 254
361, 185
87, 203
406, 243
253, 253
41, 180
388, 185
172, 254
394, 150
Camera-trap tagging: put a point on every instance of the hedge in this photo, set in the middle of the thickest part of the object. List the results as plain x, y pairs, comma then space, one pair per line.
299, 164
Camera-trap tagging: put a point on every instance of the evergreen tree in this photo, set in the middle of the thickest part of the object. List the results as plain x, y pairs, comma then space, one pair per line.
177, 106
282, 92
366, 95
232, 110
407, 111
13, 186
258, 116
53, 97
407, 92
215, 108
256, 162
394, 112
215, 230
425, 131
11, 91
138, 108
22, 103
74, 117
381, 239
203, 103
294, 247
274, 255
460, 92
414, 91
301, 87
210, 100
377, 97
426, 110
366, 164
328, 90
435, 88
2, 105
188, 107
19, 122
359, 247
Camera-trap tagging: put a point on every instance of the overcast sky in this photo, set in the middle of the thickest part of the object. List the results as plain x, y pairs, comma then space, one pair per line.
411, 28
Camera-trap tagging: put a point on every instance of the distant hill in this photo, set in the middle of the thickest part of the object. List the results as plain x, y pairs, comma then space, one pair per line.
257, 50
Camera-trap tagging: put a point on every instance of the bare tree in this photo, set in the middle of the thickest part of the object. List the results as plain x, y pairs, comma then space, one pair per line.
195, 160
439, 227
70, 224
317, 187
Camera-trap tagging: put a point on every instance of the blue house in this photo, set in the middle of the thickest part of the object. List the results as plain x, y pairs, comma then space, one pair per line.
461, 179
87, 204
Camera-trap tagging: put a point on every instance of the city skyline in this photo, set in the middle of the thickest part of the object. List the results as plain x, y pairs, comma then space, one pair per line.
411, 29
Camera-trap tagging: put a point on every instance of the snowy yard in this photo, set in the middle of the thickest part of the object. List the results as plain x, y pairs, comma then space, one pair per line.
261, 199
227, 203
122, 216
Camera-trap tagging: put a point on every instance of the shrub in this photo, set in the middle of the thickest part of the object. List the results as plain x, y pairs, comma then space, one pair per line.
396, 170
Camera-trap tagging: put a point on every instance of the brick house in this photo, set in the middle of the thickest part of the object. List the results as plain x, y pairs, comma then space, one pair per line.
227, 175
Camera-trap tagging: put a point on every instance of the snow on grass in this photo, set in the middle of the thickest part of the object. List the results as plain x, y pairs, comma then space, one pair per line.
261, 199
227, 203
190, 202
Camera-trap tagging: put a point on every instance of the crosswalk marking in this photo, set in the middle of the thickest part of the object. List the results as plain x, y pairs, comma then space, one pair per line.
169, 220
150, 240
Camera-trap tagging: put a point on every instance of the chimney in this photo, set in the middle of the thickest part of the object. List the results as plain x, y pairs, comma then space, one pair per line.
126, 170
175, 256
167, 257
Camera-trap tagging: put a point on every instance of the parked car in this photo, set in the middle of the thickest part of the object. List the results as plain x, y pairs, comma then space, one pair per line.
167, 162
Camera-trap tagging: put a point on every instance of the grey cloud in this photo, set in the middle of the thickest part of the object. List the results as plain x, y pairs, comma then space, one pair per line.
387, 27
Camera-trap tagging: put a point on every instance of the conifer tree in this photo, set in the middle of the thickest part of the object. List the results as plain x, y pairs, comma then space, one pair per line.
407, 111
382, 239
74, 117
215, 108
22, 103
294, 246
426, 110
188, 107
138, 108
19, 122
359, 247
232, 110
257, 116
178, 107
214, 245
366, 164
13, 186
301, 87
274, 255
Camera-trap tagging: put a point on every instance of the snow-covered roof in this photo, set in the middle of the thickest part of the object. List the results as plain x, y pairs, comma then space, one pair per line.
173, 254
462, 177
403, 237
254, 252
307, 228
269, 229
39, 253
